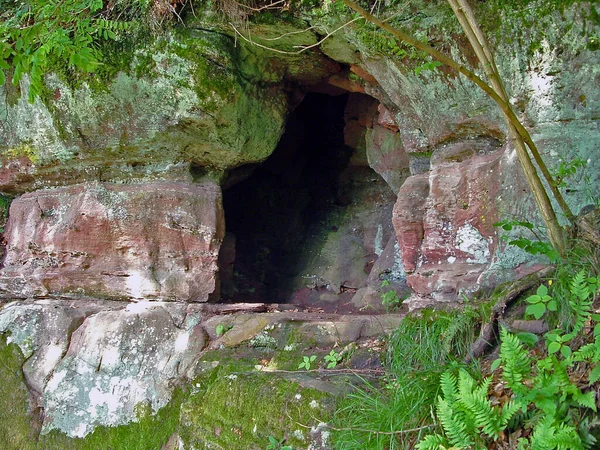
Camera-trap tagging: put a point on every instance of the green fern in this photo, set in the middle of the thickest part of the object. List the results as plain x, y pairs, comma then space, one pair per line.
433, 442
580, 301
454, 425
516, 364
547, 435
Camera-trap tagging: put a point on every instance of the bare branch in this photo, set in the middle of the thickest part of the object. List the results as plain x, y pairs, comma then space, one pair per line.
302, 48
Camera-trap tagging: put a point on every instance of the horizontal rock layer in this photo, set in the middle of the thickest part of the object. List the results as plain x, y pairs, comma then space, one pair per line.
157, 240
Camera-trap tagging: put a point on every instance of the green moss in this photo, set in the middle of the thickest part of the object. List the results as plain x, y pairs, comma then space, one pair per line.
234, 410
15, 427
22, 149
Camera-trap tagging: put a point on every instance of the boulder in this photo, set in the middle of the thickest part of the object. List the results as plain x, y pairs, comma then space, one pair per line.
154, 241
104, 363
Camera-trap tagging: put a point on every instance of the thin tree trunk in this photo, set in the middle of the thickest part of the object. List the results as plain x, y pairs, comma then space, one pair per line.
555, 232
477, 40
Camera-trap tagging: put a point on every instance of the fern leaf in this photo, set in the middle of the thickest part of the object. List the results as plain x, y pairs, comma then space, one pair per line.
516, 363
432, 442
588, 399
508, 412
543, 433
566, 438
595, 374
465, 383
448, 386
453, 424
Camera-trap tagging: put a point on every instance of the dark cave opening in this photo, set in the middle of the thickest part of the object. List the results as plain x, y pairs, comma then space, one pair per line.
283, 213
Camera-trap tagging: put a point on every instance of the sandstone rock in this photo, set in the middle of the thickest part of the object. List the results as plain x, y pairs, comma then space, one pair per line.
99, 363
444, 219
408, 215
386, 119
158, 240
386, 155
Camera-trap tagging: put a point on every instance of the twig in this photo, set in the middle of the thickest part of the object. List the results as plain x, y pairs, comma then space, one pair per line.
363, 430
270, 5
291, 33
302, 48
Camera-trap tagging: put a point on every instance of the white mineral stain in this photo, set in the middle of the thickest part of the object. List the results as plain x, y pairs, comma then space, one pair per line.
470, 240
181, 342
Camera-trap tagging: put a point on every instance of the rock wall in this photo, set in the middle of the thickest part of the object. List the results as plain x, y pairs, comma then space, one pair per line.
116, 186
124, 241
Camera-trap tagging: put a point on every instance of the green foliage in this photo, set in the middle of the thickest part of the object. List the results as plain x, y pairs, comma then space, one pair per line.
533, 247
221, 329
39, 35
544, 398
567, 169
274, 444
332, 359
390, 299
418, 353
540, 303
466, 412
307, 361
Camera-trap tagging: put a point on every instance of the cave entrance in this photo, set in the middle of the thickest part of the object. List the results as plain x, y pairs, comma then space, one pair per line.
306, 226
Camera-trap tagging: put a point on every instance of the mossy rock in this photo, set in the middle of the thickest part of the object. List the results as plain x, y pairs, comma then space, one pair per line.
241, 410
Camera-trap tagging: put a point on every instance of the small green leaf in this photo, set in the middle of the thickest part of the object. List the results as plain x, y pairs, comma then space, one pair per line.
553, 347
597, 330
313, 357
566, 351
495, 364
542, 290
587, 399
552, 305
534, 299
537, 310
529, 339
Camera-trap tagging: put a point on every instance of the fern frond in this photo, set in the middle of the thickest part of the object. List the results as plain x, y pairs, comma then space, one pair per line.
432, 442
466, 383
566, 438
454, 424
448, 385
508, 412
580, 301
516, 363
485, 416
579, 286
543, 432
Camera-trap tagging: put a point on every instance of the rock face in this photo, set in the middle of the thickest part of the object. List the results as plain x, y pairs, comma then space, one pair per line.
156, 240
444, 219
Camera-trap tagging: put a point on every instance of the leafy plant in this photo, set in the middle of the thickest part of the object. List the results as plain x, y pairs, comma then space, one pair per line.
37, 34
465, 412
332, 359
540, 303
222, 329
533, 247
274, 444
544, 398
567, 169
390, 299
307, 361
